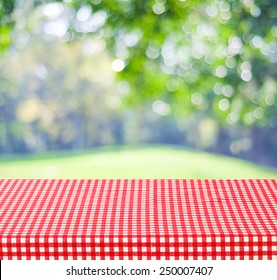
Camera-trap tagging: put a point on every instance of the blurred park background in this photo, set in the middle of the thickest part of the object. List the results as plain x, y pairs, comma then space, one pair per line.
138, 89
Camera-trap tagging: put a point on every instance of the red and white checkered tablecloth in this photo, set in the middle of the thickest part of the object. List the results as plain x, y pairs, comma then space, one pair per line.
138, 219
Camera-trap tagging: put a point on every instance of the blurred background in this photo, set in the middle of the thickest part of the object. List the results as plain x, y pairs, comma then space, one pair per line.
138, 89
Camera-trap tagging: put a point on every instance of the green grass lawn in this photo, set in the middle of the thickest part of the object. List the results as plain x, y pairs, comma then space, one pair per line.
130, 162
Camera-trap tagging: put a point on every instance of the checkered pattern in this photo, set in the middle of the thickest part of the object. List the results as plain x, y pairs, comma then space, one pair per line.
138, 219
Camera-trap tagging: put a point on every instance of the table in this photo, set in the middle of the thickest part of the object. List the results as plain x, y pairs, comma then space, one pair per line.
138, 219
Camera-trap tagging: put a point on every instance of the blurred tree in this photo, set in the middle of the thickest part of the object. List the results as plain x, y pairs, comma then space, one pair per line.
56, 100
6, 8
215, 56
215, 59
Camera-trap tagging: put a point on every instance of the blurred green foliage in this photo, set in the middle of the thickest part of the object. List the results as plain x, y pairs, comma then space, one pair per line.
56, 100
214, 56
6, 8
209, 64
